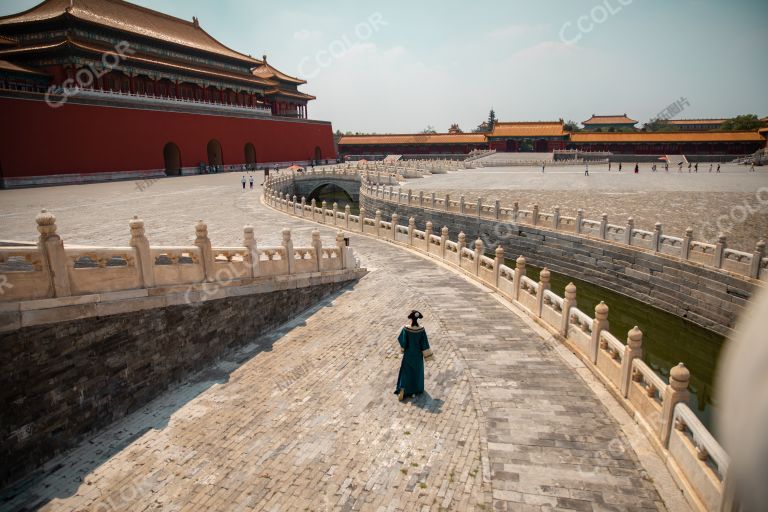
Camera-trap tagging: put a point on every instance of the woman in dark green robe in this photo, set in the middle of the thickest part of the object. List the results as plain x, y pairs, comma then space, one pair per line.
413, 342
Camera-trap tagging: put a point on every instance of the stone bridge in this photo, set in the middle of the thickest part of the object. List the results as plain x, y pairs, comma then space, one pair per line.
531, 404
309, 185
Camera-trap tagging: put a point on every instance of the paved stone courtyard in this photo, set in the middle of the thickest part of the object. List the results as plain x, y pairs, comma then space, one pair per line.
677, 200
304, 418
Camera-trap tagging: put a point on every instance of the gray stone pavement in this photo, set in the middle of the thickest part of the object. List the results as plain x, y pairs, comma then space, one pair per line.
734, 202
304, 418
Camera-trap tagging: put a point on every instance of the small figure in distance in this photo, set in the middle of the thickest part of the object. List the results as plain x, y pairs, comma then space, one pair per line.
415, 347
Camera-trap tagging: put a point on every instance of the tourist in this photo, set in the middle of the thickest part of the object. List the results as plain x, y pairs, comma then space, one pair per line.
666, 166
637, 169
710, 167
689, 166
696, 167
242, 180
653, 168
415, 347
586, 169
609, 166
542, 167
266, 174
619, 166
680, 166
718, 167
752, 169
250, 178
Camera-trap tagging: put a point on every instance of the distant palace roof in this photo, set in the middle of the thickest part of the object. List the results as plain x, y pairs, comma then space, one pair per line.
741, 136
268, 72
422, 138
128, 17
528, 129
617, 119
696, 121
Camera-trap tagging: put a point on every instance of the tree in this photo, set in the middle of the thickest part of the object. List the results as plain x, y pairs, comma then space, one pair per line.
455, 128
742, 122
481, 128
571, 126
491, 119
429, 130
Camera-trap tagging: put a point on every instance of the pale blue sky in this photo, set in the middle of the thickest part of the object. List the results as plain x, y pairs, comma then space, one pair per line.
399, 66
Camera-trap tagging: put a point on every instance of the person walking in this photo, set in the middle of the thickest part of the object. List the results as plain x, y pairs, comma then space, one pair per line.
718, 168
619, 166
415, 347
242, 180
680, 166
586, 169
266, 174
689, 166
609, 166
752, 168
251, 181
710, 167
696, 167
637, 169
666, 166
542, 167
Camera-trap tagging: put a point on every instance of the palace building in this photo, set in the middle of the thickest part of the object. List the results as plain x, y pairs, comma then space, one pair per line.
102, 89
548, 136
609, 123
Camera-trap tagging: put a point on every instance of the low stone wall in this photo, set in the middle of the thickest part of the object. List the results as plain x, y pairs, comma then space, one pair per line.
61, 380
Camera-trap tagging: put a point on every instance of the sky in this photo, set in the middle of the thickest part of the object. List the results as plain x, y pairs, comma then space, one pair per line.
400, 66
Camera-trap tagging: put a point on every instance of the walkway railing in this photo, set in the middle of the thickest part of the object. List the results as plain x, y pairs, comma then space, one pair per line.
52, 270
661, 408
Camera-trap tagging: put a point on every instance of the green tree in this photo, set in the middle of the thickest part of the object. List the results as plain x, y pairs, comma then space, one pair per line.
429, 130
491, 119
571, 126
742, 122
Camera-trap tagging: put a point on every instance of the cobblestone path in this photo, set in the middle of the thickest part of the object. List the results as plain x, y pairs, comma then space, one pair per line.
304, 418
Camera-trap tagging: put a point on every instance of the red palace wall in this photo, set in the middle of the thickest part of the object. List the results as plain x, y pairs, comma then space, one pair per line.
37, 140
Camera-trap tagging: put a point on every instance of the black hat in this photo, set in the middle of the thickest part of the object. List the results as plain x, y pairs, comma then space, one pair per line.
415, 315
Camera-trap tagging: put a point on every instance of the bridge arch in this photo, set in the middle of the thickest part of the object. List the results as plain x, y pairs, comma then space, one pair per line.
331, 193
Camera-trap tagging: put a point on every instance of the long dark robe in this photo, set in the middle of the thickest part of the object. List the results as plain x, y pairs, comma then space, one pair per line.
411, 377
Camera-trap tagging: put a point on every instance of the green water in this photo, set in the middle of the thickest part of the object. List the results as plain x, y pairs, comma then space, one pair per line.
667, 339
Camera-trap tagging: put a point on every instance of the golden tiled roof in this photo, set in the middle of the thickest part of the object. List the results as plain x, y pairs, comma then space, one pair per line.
617, 119
268, 72
9, 66
696, 121
7, 41
121, 15
528, 129
439, 138
661, 137
289, 94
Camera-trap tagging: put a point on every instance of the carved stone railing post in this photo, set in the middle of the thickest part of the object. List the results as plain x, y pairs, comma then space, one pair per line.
544, 284
535, 215
428, 234
323, 211
603, 225
317, 245
335, 211
443, 239
478, 254
479, 206
497, 209
757, 258
628, 231
410, 196
517, 278
342, 248
556, 218
249, 242
377, 221
432, 200
599, 324
287, 204
656, 242
143, 255
421, 198
411, 227
346, 216
674, 393
361, 218
515, 211
719, 251
632, 351
399, 194
206, 252
461, 204
685, 250
447, 203
579, 219
395, 218
498, 262
303, 205
461, 242
287, 244
569, 301
313, 205
51, 247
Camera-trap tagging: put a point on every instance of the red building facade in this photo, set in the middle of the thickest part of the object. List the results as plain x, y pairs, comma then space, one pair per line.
107, 87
